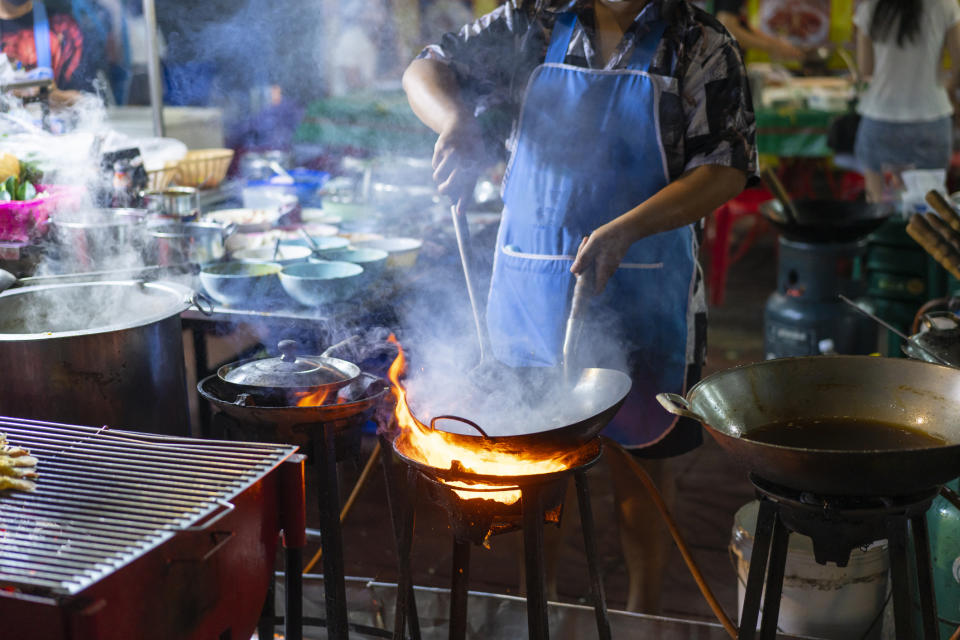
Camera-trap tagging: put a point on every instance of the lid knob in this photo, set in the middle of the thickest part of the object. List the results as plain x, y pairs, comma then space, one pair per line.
288, 350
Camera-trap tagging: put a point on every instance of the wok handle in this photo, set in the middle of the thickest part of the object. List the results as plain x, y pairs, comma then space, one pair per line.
678, 405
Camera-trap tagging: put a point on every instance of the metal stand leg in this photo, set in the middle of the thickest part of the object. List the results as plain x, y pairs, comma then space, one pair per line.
590, 548
899, 576
200, 359
758, 570
394, 500
404, 547
458, 590
928, 600
537, 621
265, 624
293, 591
775, 572
293, 520
331, 538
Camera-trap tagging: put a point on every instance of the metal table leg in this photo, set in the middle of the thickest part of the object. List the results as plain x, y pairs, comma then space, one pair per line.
395, 497
537, 620
404, 547
899, 576
331, 537
593, 564
459, 586
928, 599
776, 568
758, 570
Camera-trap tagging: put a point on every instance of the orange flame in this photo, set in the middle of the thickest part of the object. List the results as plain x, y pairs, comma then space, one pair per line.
440, 450
312, 399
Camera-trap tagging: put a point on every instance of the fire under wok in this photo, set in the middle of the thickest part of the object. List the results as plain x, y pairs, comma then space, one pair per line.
918, 397
534, 412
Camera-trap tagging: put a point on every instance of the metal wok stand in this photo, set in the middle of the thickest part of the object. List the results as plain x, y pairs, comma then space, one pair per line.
837, 526
534, 509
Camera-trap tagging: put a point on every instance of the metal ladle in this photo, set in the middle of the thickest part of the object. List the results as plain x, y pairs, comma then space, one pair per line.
466, 259
890, 327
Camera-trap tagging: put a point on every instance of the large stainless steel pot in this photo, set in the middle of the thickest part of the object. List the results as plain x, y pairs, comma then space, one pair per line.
96, 353
198, 242
97, 238
919, 395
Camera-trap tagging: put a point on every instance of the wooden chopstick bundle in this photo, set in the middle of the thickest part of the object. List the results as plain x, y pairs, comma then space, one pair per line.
939, 235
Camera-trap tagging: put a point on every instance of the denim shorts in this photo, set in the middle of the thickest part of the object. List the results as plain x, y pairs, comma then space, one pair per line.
920, 145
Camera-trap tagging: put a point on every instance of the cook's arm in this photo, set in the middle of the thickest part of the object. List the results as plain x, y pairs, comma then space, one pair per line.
750, 39
953, 48
684, 201
434, 96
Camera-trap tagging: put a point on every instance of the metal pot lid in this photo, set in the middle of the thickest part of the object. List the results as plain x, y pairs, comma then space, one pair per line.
290, 370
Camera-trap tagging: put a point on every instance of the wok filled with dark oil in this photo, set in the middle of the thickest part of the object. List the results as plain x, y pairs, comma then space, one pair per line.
835, 425
843, 434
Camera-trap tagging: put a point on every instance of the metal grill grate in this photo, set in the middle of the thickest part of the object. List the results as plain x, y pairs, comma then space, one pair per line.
106, 497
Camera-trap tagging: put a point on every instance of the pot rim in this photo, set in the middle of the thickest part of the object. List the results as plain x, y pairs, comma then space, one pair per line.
186, 299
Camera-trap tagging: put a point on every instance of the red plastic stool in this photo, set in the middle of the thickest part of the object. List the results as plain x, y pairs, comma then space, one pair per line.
717, 237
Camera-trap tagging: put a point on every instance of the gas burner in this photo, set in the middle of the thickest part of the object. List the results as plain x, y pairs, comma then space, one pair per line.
482, 505
837, 525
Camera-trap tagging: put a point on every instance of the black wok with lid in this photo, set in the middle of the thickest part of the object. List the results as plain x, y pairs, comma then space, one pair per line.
290, 372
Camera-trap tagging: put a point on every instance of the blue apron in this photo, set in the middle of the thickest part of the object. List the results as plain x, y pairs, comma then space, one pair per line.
587, 151
41, 40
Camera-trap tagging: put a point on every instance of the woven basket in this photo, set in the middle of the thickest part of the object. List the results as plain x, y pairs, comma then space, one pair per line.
204, 168
160, 179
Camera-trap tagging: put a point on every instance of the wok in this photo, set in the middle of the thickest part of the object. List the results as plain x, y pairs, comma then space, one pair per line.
360, 395
562, 418
919, 395
826, 220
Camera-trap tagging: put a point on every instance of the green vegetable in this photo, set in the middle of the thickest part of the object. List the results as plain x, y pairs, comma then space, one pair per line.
14, 189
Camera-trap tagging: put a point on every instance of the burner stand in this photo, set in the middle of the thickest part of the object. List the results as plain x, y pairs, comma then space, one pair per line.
326, 442
837, 525
541, 499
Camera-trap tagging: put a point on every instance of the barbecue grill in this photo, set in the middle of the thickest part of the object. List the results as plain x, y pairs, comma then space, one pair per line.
131, 535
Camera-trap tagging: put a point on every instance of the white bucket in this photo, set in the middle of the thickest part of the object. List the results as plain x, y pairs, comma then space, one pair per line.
824, 601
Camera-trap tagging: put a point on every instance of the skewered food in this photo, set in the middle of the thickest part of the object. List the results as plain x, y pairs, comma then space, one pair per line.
17, 467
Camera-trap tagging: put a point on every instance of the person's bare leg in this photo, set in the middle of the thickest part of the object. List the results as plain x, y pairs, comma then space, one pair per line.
874, 184
644, 538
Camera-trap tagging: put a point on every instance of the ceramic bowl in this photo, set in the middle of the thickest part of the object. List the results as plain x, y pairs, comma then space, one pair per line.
325, 244
402, 252
287, 254
373, 261
317, 283
243, 284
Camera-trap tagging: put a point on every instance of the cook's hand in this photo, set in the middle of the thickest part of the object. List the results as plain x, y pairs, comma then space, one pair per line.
458, 158
603, 250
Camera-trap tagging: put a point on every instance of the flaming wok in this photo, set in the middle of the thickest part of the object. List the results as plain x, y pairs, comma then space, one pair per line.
921, 397
533, 412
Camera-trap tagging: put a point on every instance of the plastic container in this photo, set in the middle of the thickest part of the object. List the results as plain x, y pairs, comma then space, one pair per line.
26, 220
823, 601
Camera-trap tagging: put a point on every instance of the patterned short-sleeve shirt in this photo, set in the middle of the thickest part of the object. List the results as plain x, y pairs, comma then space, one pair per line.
706, 114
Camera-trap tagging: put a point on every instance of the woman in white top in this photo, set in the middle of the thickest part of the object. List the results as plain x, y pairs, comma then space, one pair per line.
906, 111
